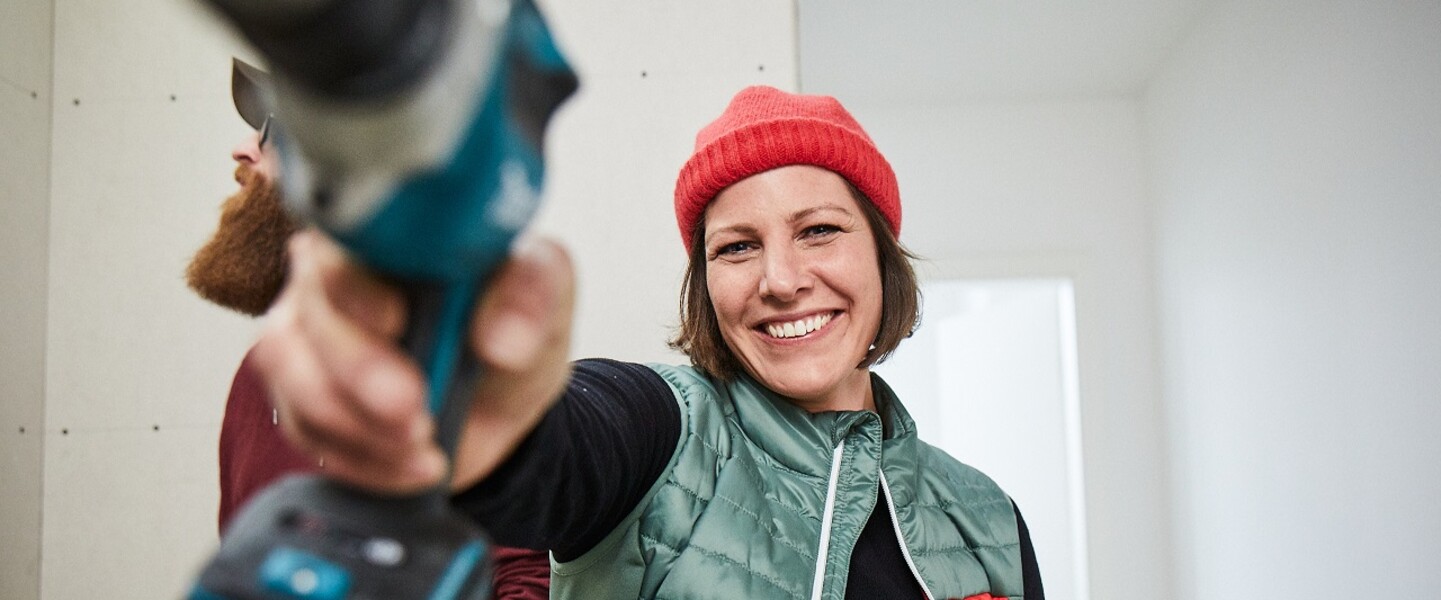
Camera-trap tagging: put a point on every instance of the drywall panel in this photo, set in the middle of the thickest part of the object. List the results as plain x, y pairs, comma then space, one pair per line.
137, 189
25, 42
131, 527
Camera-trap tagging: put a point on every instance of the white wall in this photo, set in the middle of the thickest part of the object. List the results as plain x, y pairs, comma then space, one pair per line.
25, 77
1057, 189
1296, 151
126, 371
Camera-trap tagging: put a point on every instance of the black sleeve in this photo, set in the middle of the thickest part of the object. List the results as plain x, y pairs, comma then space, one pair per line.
1030, 572
585, 466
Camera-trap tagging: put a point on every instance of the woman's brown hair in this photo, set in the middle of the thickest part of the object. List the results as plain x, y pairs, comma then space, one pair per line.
699, 333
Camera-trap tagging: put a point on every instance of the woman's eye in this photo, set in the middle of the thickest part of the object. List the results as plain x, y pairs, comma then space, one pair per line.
732, 249
820, 230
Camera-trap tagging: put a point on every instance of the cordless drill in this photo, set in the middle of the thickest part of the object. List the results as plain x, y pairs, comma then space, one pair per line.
411, 132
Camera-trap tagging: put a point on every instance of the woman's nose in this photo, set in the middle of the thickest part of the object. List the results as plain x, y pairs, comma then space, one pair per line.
785, 276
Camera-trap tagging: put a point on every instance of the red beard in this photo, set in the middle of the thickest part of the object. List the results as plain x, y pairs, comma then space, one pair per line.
243, 266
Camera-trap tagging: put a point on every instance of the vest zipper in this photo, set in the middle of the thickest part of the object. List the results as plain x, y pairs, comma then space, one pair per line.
826, 517
896, 524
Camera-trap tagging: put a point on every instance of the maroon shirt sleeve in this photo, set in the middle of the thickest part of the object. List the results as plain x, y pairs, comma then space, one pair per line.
520, 574
254, 454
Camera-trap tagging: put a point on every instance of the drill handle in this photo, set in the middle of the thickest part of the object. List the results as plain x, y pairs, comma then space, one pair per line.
437, 336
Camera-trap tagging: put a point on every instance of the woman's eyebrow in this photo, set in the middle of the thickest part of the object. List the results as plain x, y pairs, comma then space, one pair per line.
739, 228
802, 214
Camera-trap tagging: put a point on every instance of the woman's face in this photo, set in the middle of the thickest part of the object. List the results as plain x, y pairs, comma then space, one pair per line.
793, 276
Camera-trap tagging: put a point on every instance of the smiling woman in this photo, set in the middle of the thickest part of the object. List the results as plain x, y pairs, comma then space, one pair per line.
776, 465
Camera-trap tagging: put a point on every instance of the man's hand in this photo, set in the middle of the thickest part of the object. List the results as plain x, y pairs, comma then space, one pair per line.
349, 395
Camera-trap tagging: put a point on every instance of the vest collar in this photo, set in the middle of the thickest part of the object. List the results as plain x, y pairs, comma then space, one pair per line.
804, 441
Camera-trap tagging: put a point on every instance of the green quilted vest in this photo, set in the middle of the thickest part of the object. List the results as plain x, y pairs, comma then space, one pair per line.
759, 493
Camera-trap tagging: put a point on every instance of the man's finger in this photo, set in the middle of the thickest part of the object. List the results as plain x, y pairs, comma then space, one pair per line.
354, 291
528, 307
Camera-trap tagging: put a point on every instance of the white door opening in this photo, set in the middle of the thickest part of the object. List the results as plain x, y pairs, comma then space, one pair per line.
991, 378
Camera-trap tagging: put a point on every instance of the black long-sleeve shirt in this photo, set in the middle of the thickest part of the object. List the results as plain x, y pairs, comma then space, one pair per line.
603, 445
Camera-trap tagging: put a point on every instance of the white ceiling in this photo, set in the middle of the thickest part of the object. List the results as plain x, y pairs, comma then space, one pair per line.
925, 51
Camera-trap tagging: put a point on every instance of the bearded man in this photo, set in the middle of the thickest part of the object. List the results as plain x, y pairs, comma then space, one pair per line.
242, 267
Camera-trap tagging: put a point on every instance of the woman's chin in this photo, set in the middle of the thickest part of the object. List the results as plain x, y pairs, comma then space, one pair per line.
811, 390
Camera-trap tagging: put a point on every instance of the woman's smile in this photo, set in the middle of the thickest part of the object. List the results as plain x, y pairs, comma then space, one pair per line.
793, 328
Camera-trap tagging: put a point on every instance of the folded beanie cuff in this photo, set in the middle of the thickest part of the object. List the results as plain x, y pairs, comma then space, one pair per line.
789, 139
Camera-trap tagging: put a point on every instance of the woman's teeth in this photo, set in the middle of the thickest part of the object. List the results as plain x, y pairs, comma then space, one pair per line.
798, 327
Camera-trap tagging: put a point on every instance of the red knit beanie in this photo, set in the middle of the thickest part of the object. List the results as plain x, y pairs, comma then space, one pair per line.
764, 128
